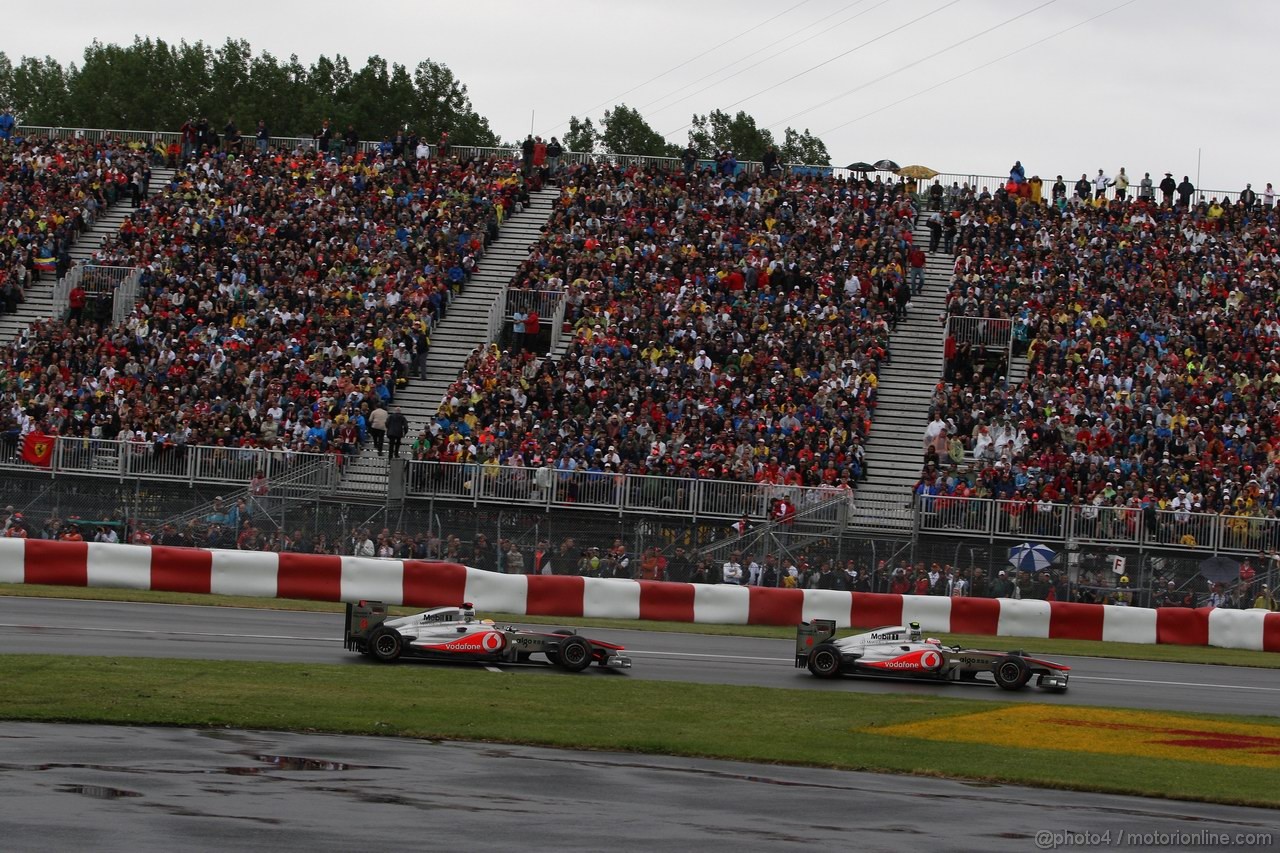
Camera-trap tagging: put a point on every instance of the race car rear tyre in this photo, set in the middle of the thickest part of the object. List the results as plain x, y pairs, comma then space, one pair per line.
384, 644
824, 660
575, 654
1012, 673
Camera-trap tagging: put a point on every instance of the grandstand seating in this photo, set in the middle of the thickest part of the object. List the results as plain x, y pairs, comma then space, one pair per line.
1154, 363
283, 298
50, 192
722, 328
719, 328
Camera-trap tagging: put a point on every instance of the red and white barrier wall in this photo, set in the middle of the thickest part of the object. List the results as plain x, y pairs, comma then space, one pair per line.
428, 584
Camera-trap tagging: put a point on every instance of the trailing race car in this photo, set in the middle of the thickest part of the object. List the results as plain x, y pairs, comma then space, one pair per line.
454, 633
899, 651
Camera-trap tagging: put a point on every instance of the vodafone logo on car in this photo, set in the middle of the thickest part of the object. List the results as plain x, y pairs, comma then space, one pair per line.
489, 641
914, 662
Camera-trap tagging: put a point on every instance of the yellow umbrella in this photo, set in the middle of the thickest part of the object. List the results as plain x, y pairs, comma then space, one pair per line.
917, 172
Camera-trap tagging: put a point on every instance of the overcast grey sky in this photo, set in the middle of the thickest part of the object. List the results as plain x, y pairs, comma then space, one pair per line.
1142, 87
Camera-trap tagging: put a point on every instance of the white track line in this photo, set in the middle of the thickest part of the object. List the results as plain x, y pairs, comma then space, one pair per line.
1173, 683
687, 655
171, 633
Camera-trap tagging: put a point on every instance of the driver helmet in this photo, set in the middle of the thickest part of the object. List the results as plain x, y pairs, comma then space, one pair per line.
914, 634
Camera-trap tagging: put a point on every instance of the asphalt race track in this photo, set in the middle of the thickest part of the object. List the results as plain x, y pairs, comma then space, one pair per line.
104, 788
153, 789
65, 626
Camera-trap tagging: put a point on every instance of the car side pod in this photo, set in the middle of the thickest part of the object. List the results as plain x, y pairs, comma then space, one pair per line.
809, 635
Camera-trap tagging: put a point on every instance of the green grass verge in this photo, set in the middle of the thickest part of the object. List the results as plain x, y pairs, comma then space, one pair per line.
1080, 648
590, 712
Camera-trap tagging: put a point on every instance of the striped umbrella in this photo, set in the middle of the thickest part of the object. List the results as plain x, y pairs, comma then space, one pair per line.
1030, 557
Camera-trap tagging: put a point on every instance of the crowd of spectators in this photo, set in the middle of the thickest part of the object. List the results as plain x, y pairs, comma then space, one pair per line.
1153, 343
51, 191
283, 298
724, 327
236, 525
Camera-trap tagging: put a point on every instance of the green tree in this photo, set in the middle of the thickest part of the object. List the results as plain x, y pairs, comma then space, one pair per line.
624, 131
38, 91
103, 90
443, 104
718, 131
151, 84
582, 136
803, 149
6, 80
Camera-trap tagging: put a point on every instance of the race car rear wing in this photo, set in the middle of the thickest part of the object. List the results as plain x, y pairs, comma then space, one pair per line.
362, 617
810, 634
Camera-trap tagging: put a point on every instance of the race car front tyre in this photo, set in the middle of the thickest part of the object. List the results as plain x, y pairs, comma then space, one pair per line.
824, 660
1012, 673
574, 654
384, 644
551, 655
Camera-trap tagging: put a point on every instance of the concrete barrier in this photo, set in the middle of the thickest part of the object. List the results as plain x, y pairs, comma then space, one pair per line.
428, 583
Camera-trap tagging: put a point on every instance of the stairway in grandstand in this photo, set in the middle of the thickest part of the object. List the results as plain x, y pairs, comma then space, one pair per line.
1018, 367
39, 303
894, 449
463, 329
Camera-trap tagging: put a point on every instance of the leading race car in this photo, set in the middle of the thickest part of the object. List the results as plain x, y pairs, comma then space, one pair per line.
901, 651
454, 633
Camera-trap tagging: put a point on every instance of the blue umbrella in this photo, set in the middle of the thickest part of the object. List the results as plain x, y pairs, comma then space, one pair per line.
1030, 557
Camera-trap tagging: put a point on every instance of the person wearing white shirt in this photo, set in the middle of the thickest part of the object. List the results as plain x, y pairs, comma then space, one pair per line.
1100, 184
754, 571
732, 571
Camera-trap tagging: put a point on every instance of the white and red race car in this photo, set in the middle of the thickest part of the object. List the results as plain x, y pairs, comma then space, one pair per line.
455, 633
902, 652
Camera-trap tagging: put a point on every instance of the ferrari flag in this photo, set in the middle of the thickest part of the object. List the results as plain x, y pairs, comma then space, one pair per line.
37, 449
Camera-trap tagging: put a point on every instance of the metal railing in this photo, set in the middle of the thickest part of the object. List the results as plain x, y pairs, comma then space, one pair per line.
1129, 526
605, 491
125, 297
495, 320
99, 281
820, 511
557, 325
205, 464
986, 332
545, 302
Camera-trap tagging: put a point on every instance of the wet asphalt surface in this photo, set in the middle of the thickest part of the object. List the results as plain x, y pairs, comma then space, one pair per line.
73, 787
107, 788
65, 626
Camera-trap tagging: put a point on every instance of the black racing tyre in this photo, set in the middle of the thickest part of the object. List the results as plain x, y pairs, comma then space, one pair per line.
1012, 673
824, 660
384, 644
575, 654
551, 655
